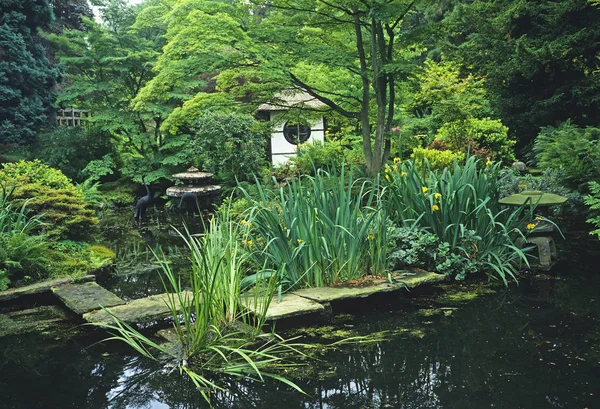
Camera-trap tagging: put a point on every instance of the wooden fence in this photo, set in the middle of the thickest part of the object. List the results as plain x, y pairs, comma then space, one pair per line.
72, 117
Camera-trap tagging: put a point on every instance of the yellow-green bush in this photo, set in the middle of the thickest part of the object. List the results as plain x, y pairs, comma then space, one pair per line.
53, 196
438, 159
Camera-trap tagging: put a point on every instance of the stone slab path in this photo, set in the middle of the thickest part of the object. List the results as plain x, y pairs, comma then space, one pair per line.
39, 288
86, 297
311, 300
140, 311
290, 305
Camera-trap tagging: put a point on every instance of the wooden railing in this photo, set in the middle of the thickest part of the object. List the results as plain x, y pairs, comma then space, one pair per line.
72, 117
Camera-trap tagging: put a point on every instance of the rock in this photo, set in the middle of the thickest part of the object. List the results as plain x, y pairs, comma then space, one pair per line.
41, 287
520, 166
141, 311
401, 281
86, 297
290, 305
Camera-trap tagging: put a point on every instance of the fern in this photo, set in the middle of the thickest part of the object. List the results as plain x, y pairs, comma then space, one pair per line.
593, 201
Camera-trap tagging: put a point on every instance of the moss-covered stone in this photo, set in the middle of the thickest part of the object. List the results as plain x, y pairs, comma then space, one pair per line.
39, 319
86, 297
400, 282
290, 305
39, 288
141, 311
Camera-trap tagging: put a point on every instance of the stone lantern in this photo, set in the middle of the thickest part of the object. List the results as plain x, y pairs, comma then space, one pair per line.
541, 234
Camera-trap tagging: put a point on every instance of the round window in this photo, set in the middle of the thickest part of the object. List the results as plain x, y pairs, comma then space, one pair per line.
296, 132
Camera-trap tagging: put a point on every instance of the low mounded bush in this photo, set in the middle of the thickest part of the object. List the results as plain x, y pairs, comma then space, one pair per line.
52, 196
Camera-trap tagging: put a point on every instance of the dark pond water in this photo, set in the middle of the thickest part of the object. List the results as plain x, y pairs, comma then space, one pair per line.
532, 346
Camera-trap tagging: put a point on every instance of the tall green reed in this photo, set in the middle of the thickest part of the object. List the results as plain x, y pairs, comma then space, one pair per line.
460, 202
318, 230
215, 333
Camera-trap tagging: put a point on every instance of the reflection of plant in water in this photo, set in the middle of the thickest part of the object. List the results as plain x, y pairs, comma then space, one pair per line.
138, 257
214, 333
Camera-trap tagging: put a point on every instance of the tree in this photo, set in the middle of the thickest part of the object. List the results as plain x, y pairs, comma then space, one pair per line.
26, 76
540, 59
347, 54
106, 67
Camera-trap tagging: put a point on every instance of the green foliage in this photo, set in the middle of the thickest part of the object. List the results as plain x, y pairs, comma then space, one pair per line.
593, 201
436, 159
21, 250
51, 195
25, 172
210, 343
318, 230
444, 95
230, 145
539, 59
461, 208
573, 150
220, 53
70, 149
486, 138
107, 65
417, 248
27, 78
332, 153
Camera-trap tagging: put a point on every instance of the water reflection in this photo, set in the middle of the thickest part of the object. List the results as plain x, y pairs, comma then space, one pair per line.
534, 346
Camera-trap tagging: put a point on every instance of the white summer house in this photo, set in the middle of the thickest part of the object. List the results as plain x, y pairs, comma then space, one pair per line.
290, 130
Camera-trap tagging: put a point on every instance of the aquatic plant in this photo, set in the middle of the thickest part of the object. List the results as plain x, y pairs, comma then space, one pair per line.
460, 203
318, 230
215, 333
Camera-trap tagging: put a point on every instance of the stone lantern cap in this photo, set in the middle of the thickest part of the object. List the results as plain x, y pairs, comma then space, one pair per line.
192, 174
536, 197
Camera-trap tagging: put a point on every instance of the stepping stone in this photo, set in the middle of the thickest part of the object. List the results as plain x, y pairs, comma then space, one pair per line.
400, 282
290, 305
140, 311
86, 297
40, 287
38, 319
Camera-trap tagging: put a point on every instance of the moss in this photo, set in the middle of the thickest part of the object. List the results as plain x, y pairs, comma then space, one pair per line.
464, 293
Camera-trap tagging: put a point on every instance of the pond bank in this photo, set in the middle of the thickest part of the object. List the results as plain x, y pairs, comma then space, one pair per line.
86, 300
443, 346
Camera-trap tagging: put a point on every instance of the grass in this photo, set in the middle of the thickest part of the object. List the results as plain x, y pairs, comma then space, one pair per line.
460, 203
317, 230
215, 334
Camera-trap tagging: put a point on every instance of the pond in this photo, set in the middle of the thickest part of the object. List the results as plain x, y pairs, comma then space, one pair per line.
474, 345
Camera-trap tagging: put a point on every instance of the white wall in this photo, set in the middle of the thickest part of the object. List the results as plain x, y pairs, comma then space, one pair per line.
282, 150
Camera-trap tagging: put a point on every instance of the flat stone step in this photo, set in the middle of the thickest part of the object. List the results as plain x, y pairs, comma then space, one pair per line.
290, 305
140, 311
38, 319
401, 281
40, 287
86, 297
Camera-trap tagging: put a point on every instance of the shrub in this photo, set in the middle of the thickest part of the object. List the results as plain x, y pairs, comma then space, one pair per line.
573, 150
230, 145
436, 159
414, 247
461, 208
486, 138
70, 149
52, 196
323, 155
